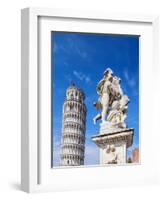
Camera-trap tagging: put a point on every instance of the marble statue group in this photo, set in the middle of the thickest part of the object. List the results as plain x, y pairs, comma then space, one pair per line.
112, 102
114, 136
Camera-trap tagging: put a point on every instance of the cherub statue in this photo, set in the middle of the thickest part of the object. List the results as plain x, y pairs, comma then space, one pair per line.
118, 113
104, 92
112, 101
108, 90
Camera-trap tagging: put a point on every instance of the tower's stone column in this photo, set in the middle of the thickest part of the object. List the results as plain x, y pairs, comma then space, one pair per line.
73, 127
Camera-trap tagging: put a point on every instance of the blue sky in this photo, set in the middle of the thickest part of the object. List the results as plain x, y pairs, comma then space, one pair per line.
83, 59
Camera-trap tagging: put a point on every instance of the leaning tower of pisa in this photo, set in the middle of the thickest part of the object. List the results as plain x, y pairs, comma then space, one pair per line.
73, 127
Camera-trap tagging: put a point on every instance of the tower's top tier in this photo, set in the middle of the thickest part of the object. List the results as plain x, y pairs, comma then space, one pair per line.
74, 93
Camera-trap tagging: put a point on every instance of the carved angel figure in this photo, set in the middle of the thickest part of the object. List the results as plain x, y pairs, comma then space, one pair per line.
118, 112
112, 101
103, 90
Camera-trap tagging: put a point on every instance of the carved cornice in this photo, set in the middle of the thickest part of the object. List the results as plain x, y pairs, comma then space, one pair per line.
125, 135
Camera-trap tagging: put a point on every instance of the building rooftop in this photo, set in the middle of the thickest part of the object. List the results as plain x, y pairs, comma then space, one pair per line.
72, 85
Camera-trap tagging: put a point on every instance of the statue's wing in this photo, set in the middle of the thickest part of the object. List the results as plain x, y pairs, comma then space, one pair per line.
100, 86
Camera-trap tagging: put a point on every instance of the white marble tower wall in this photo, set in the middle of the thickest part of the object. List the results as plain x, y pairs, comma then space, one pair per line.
73, 128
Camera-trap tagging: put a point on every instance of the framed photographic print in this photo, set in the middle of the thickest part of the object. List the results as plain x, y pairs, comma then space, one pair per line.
73, 120
88, 96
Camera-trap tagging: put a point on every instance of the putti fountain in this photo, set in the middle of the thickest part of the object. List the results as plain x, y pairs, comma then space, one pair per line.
114, 136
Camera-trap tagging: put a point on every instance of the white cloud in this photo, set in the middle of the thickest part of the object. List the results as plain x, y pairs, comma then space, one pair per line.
65, 64
126, 75
77, 45
130, 80
81, 76
81, 53
87, 79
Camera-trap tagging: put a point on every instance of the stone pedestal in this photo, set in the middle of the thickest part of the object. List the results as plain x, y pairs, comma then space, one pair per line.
113, 143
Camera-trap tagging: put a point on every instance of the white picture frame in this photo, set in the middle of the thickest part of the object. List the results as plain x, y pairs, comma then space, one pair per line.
36, 171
